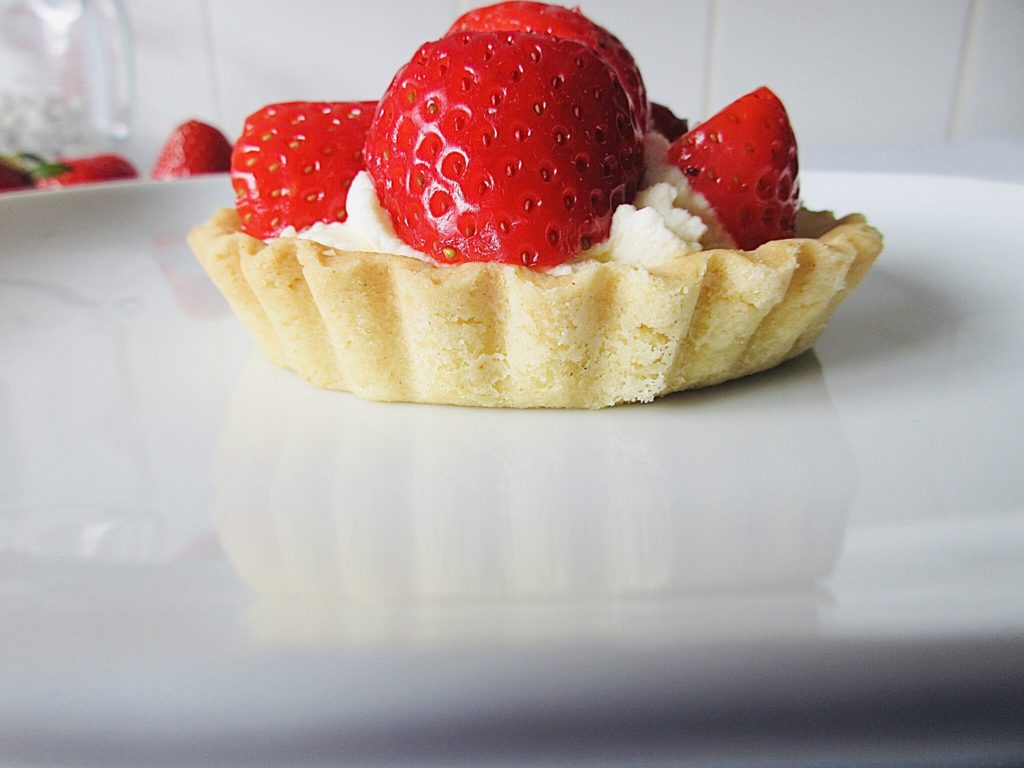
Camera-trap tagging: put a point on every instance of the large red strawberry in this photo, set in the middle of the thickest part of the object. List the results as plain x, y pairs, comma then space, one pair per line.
568, 24
744, 161
72, 171
505, 147
294, 163
191, 149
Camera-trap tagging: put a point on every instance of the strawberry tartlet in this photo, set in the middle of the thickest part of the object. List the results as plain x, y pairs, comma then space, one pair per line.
514, 224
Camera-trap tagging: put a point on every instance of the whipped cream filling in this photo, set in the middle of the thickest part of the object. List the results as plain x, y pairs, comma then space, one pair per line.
666, 220
368, 227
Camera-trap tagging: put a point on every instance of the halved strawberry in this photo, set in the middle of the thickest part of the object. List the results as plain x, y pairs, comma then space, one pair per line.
744, 162
294, 163
506, 147
567, 24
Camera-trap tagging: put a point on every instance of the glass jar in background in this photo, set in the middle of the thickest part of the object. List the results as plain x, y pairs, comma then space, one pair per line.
66, 76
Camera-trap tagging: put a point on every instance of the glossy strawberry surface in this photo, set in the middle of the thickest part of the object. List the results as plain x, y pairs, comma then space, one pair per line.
744, 161
504, 147
567, 24
294, 163
193, 148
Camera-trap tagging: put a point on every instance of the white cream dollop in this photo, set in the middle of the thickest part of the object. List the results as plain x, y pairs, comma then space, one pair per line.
368, 227
658, 170
666, 220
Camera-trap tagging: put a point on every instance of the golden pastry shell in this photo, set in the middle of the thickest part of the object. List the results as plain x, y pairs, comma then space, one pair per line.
393, 328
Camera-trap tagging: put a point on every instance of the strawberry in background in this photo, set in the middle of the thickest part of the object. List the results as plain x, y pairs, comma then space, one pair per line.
27, 171
13, 177
72, 171
665, 122
193, 148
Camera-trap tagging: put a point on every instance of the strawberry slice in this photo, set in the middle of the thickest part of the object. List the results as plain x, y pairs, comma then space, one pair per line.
193, 148
68, 172
507, 147
744, 162
294, 163
567, 24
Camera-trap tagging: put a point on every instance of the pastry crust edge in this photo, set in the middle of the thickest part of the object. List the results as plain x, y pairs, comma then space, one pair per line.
392, 328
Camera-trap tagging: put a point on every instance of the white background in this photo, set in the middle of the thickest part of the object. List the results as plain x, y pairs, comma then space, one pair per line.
924, 75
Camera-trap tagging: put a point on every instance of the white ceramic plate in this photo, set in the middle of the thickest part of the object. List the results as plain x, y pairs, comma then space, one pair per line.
204, 560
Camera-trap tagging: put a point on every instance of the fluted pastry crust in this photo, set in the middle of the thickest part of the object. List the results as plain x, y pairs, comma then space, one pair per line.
394, 328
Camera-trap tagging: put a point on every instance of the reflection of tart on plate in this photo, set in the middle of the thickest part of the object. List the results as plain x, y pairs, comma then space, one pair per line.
742, 512
507, 227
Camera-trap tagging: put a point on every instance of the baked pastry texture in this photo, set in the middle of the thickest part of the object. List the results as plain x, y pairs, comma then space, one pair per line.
393, 328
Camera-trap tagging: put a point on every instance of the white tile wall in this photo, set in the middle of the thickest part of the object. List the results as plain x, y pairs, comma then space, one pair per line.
669, 39
851, 73
991, 99
324, 53
173, 73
